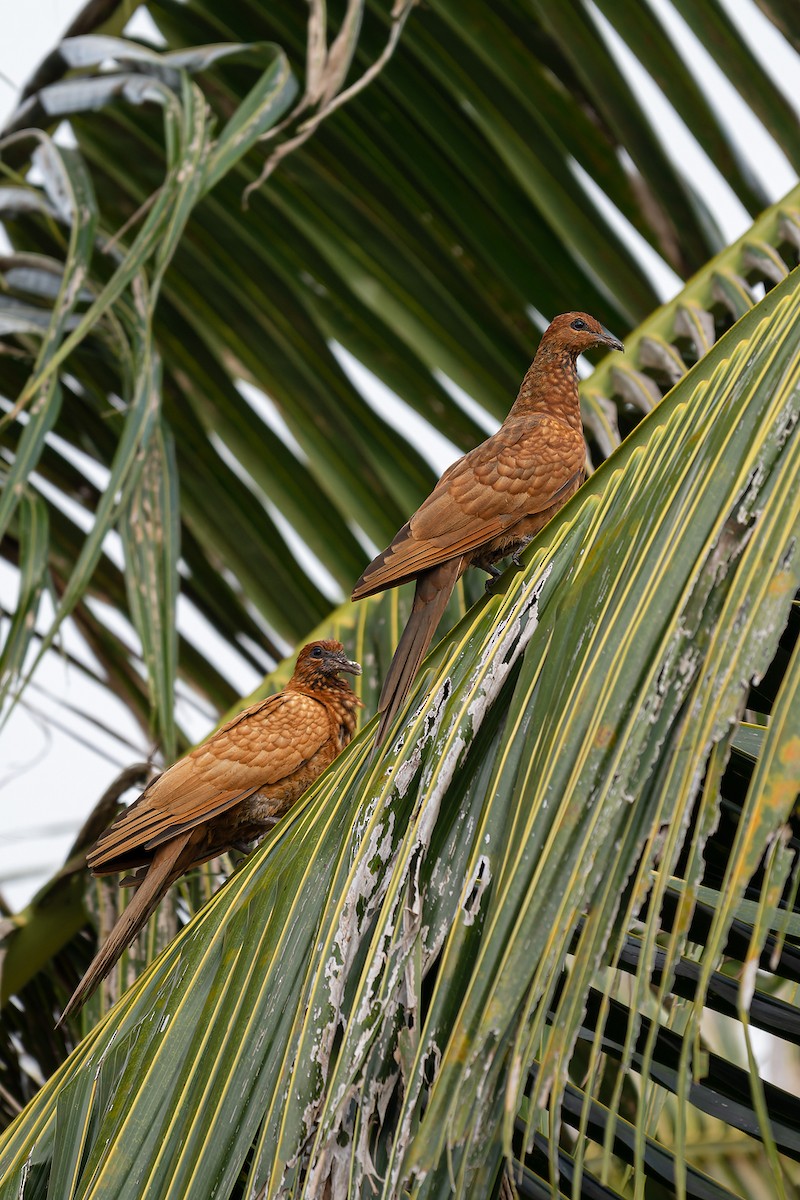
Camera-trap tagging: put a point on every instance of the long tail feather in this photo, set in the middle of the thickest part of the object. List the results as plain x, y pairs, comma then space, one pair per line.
434, 589
163, 871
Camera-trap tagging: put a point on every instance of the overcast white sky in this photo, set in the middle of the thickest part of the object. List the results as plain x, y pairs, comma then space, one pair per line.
49, 780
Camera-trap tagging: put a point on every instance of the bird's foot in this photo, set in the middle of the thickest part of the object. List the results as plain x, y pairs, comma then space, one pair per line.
244, 847
515, 557
494, 574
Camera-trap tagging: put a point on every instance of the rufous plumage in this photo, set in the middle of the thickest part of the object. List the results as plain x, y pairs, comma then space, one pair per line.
491, 502
226, 792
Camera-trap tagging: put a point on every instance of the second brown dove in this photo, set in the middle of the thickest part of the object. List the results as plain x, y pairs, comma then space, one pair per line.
226, 792
491, 502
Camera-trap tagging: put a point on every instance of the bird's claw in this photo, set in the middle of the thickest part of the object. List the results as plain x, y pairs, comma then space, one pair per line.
494, 574
244, 847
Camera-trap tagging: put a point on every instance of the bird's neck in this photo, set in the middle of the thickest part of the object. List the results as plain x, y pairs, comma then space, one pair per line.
551, 386
328, 687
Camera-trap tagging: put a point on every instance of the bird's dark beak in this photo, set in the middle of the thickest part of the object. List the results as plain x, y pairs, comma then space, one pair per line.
347, 664
610, 341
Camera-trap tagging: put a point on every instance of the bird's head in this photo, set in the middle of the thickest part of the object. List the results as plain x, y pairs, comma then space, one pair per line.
575, 332
325, 658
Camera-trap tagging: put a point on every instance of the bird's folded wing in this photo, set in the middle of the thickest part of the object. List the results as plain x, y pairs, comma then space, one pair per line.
262, 746
515, 473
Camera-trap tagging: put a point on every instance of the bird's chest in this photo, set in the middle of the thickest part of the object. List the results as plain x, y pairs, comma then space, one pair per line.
343, 721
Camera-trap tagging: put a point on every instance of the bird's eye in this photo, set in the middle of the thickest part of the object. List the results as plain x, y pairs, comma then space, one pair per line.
316, 652
579, 324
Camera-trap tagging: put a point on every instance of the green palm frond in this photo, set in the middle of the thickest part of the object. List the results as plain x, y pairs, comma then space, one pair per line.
409, 965
548, 932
